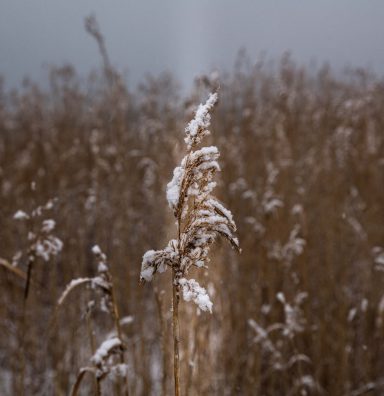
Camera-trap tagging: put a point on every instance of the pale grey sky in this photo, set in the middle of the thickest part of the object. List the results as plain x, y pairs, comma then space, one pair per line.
187, 37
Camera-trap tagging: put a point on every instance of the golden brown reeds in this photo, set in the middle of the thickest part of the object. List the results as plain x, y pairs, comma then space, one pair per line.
302, 159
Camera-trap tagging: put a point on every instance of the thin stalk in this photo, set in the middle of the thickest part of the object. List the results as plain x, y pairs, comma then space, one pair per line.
80, 376
93, 349
31, 260
23, 349
163, 341
175, 314
116, 316
176, 332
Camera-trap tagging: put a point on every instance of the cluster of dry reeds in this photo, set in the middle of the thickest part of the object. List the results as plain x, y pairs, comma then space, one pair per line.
300, 310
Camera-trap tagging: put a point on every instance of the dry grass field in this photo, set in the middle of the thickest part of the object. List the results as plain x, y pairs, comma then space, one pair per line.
86, 162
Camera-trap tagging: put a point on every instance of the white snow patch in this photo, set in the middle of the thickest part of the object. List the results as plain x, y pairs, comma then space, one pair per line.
20, 215
192, 291
104, 350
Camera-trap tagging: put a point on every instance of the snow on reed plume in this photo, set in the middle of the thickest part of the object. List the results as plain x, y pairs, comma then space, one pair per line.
200, 218
103, 362
42, 244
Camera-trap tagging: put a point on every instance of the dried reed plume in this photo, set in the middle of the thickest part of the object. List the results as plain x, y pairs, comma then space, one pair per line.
102, 362
200, 218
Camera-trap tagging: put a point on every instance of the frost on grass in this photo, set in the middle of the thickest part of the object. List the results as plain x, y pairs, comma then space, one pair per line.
173, 187
157, 261
200, 216
263, 337
127, 320
72, 285
104, 359
101, 281
294, 318
105, 350
278, 342
48, 225
47, 247
119, 370
294, 247
378, 257
192, 291
187, 177
20, 215
198, 127
102, 259
42, 242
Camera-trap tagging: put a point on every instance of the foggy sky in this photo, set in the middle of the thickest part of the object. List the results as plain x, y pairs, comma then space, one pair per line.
187, 37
